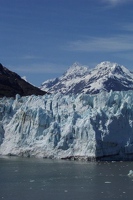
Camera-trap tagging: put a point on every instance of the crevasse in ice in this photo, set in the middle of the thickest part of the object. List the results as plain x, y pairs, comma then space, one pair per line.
58, 126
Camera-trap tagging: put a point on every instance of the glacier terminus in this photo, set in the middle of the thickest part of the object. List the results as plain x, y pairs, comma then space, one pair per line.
74, 126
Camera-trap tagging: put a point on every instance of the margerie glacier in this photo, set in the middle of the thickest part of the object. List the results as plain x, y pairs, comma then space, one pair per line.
88, 116
83, 126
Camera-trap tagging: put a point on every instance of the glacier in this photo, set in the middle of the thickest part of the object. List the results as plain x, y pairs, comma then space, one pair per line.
81, 126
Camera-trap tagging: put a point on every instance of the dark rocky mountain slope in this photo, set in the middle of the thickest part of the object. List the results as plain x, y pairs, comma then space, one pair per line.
12, 84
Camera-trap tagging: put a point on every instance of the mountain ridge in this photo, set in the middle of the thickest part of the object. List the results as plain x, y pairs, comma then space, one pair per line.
79, 79
11, 84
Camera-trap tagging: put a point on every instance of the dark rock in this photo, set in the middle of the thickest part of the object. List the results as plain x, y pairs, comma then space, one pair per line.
12, 84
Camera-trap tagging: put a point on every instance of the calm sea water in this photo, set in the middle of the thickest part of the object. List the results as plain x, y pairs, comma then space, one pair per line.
42, 179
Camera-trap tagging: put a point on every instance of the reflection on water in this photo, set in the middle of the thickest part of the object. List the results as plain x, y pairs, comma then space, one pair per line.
40, 179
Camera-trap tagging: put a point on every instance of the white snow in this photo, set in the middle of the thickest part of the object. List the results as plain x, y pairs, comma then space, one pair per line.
67, 81
79, 79
58, 126
24, 78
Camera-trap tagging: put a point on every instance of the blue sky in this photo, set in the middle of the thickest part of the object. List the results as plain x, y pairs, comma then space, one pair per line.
40, 39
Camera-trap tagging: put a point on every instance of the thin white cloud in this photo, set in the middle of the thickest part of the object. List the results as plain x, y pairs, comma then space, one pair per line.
126, 55
115, 2
30, 57
100, 44
127, 27
45, 68
23, 57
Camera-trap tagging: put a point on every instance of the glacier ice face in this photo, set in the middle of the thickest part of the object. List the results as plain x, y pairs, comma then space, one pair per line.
58, 126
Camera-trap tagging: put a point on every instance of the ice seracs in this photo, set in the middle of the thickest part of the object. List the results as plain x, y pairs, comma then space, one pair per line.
80, 126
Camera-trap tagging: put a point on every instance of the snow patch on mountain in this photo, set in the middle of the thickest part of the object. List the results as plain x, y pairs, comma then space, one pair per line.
24, 78
68, 126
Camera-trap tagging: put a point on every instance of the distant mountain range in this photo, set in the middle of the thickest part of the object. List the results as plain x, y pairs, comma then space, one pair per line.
79, 79
12, 84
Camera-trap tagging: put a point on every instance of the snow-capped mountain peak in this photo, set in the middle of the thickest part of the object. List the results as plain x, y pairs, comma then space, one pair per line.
105, 76
75, 71
114, 68
67, 81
